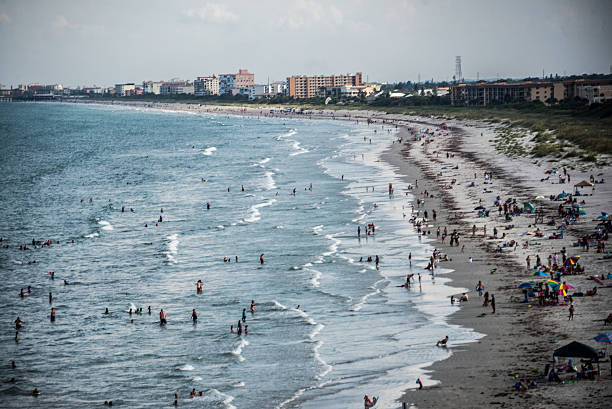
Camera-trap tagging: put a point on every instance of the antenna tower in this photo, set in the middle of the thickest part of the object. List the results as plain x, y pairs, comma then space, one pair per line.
458, 74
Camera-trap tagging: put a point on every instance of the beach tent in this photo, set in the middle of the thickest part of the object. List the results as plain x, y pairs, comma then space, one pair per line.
576, 350
528, 207
584, 183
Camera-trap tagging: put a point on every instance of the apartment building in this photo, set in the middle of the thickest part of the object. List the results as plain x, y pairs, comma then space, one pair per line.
152, 87
206, 86
125, 90
309, 87
229, 83
485, 93
176, 88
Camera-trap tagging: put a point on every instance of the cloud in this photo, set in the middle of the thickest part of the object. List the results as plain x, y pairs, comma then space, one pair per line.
309, 12
213, 12
4, 18
61, 23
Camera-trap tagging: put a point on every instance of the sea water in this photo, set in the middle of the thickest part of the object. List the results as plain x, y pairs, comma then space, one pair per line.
69, 169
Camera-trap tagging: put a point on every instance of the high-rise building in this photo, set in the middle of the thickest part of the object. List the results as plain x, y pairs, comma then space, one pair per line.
125, 89
152, 87
308, 87
233, 83
206, 86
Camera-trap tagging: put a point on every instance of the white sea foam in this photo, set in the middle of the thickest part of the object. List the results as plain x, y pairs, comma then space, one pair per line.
317, 229
237, 351
326, 367
91, 235
315, 278
300, 150
286, 135
105, 225
264, 161
172, 248
333, 248
220, 227
197, 378
254, 210
186, 367
269, 182
209, 151
215, 396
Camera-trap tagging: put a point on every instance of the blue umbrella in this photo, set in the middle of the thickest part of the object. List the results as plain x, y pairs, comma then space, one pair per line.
526, 285
539, 274
604, 337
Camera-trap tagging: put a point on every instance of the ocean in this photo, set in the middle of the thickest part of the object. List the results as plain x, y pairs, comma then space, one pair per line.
68, 170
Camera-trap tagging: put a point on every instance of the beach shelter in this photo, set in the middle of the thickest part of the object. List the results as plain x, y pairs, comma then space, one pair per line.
584, 183
528, 207
576, 350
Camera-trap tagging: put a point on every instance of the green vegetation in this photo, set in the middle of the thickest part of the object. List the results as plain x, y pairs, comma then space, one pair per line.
568, 125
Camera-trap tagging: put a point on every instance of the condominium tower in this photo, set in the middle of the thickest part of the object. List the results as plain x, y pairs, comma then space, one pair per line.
308, 87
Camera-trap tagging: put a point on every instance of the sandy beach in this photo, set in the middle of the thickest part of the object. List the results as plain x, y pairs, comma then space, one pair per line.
450, 163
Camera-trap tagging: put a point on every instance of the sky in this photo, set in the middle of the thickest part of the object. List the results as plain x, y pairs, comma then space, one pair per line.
87, 42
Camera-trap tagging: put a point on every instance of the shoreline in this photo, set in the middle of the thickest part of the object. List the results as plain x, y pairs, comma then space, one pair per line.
480, 373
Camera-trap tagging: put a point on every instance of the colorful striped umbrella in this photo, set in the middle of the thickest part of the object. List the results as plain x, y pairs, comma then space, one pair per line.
604, 337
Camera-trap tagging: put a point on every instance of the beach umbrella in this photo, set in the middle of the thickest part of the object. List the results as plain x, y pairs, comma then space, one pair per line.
526, 285
553, 283
480, 208
540, 197
604, 337
603, 216
584, 183
539, 274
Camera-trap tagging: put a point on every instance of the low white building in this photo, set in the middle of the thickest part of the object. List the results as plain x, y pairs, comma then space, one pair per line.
176, 88
152, 87
125, 89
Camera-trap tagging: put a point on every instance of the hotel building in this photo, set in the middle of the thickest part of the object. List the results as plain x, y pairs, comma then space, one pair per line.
309, 87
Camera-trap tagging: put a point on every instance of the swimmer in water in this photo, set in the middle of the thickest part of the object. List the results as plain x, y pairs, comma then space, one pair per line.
199, 287
52, 314
261, 259
232, 329
252, 306
106, 311
162, 317
207, 205
246, 330
194, 316
21, 293
243, 314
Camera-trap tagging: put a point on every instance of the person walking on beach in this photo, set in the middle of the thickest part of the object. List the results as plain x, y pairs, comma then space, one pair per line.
528, 260
493, 303
571, 312
480, 288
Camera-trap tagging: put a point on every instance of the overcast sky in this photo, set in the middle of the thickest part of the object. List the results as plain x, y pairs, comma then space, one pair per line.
85, 42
